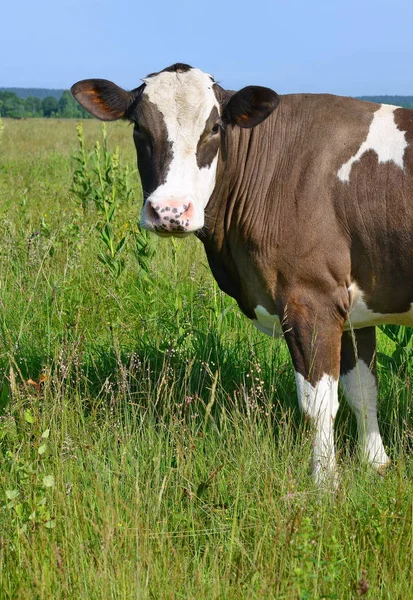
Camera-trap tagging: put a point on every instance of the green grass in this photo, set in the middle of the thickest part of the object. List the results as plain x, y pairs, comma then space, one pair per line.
150, 442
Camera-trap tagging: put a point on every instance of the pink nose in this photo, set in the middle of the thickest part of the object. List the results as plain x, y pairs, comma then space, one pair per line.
171, 215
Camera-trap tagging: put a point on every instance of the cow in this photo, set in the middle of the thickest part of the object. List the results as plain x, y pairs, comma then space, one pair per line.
304, 205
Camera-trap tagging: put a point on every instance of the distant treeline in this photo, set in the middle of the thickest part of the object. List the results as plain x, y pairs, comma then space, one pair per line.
17, 107
405, 101
36, 92
21, 103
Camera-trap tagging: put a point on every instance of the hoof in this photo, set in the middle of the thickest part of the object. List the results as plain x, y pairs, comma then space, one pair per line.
382, 469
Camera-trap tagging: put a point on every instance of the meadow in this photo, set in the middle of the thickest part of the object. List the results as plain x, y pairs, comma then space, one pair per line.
150, 441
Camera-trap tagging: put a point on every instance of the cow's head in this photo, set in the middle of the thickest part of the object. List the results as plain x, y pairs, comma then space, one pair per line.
179, 117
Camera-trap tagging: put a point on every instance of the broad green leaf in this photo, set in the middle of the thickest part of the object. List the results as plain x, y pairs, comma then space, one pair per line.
42, 449
48, 481
121, 244
28, 417
12, 494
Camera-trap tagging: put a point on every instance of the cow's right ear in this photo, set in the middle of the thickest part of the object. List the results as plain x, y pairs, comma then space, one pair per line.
250, 106
103, 99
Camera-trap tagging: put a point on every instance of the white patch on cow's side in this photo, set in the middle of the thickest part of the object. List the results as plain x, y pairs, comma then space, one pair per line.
362, 316
320, 404
267, 323
185, 100
384, 138
360, 390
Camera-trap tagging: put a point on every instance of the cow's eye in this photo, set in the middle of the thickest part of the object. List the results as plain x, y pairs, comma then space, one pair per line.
216, 128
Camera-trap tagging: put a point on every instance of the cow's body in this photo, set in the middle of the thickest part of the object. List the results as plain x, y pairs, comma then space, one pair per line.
292, 217
304, 204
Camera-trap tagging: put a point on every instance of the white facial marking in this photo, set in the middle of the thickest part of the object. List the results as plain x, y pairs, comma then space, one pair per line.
320, 404
384, 138
360, 390
362, 316
266, 322
185, 100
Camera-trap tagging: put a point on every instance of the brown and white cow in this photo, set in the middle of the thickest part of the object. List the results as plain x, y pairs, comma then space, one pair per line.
304, 204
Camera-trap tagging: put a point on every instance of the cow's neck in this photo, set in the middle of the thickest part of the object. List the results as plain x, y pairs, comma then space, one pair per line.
234, 229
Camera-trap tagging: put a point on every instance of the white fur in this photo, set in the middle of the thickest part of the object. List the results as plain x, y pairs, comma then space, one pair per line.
360, 390
320, 404
266, 322
384, 138
185, 101
362, 316
359, 316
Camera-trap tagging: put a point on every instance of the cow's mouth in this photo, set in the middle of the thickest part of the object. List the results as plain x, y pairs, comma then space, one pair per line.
165, 234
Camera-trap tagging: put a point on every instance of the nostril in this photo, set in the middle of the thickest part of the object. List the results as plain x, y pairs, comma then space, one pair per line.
188, 211
152, 212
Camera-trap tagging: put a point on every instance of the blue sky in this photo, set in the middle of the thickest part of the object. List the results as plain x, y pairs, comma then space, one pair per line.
353, 47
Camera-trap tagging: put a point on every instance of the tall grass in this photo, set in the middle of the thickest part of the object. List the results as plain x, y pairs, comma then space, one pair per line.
149, 437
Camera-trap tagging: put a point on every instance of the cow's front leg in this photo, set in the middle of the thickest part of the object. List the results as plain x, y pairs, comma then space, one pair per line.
359, 381
319, 402
313, 333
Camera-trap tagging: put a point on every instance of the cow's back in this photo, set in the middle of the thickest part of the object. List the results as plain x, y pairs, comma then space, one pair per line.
373, 197
321, 191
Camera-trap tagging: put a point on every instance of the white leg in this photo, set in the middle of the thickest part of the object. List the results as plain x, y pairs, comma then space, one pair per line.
320, 404
360, 389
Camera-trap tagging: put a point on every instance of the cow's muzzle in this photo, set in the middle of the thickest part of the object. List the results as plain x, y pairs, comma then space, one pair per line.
173, 216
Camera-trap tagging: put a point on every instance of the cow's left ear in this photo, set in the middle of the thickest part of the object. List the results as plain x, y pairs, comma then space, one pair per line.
250, 106
103, 99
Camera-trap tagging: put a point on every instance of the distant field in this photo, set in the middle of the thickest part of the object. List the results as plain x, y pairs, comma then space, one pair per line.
149, 437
